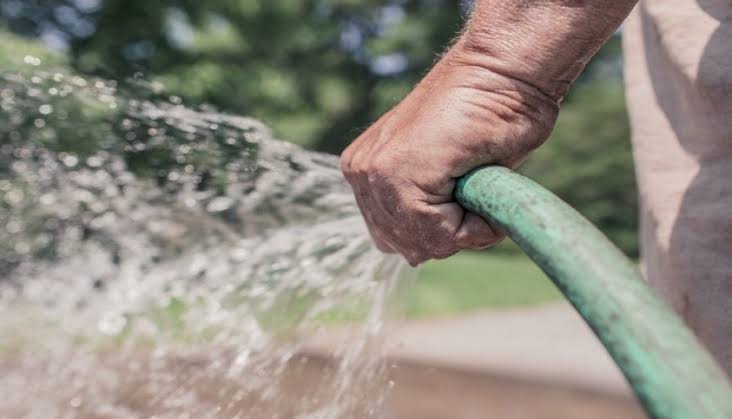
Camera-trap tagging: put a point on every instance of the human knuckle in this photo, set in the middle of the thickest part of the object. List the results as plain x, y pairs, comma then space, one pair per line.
346, 165
373, 176
347, 162
357, 167
376, 171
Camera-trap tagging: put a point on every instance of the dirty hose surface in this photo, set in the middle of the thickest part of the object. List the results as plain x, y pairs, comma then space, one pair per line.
670, 372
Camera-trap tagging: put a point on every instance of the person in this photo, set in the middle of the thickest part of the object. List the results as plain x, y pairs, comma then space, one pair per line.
494, 96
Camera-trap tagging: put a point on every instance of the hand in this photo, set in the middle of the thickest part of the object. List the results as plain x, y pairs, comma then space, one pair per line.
403, 168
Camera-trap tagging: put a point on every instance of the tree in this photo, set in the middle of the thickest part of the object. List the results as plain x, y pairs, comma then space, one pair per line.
316, 70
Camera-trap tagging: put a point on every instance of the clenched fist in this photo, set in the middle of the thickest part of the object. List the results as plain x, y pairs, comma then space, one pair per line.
491, 99
403, 168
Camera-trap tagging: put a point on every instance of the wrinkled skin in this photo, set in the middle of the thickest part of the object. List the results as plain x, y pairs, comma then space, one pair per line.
403, 168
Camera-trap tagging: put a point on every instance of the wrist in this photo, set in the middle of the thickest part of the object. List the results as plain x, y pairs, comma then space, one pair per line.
498, 91
545, 44
505, 117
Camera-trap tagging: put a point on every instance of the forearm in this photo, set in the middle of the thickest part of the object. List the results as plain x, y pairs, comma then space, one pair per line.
544, 43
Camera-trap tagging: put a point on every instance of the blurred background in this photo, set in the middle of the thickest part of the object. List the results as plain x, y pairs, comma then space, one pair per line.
318, 72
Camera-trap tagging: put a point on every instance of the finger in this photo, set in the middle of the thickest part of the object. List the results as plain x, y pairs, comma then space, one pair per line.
427, 233
382, 244
391, 237
414, 258
376, 236
476, 233
411, 255
445, 254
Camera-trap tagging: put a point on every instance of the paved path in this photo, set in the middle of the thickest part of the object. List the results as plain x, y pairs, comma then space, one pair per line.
548, 344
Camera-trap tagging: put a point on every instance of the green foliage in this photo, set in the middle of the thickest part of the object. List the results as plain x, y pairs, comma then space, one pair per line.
47, 105
316, 70
18, 53
473, 280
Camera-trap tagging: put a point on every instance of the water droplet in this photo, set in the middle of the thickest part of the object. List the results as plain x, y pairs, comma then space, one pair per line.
47, 199
70, 160
112, 324
13, 227
79, 81
22, 247
45, 109
14, 197
218, 204
94, 161
31, 60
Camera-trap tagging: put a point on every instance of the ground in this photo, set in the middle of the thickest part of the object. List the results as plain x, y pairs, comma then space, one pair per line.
419, 392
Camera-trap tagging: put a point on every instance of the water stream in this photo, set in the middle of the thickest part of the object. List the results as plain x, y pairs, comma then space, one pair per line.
160, 261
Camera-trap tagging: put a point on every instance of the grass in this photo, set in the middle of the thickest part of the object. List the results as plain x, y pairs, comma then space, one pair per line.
493, 279
475, 280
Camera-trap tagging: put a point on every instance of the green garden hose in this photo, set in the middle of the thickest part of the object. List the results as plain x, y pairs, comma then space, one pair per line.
671, 373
